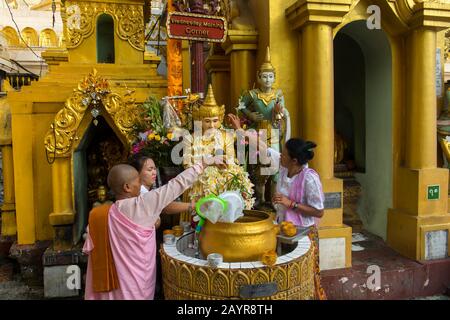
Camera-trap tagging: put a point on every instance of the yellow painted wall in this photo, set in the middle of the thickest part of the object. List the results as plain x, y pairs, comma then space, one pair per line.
86, 52
22, 128
125, 53
42, 183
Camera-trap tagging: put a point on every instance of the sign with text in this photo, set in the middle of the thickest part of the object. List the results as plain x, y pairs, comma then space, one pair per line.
250, 291
332, 200
433, 192
198, 27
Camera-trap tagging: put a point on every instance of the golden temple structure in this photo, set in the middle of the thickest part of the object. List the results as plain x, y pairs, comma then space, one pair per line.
103, 61
377, 84
365, 69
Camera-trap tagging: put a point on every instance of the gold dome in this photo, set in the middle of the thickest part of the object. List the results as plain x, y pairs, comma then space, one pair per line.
209, 108
267, 65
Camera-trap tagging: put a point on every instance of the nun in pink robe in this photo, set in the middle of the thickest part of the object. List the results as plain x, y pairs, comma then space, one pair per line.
131, 226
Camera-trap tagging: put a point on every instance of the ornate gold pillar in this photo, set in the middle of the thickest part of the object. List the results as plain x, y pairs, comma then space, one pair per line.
420, 212
218, 66
241, 46
314, 22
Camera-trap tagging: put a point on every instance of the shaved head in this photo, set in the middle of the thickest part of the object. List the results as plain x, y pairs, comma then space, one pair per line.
120, 177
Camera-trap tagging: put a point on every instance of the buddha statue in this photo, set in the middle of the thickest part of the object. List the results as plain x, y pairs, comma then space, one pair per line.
264, 108
101, 197
210, 139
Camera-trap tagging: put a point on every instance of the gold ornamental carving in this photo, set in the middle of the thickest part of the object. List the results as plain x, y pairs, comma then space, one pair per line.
128, 22
185, 281
92, 93
406, 9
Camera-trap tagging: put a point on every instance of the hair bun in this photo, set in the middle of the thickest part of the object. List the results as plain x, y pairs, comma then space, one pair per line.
308, 149
309, 146
301, 150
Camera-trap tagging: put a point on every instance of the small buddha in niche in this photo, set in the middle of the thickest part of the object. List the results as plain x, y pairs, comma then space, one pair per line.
101, 197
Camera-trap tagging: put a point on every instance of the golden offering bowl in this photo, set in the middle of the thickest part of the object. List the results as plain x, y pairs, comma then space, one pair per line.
168, 231
247, 239
178, 231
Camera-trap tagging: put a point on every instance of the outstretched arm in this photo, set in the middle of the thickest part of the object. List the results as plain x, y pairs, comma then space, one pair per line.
156, 200
178, 207
145, 209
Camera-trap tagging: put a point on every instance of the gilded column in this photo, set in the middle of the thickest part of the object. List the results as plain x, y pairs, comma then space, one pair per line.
421, 137
318, 94
420, 208
241, 46
314, 21
174, 63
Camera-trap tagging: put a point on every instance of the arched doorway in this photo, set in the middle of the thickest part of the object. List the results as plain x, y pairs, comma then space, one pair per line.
92, 115
363, 121
105, 39
98, 151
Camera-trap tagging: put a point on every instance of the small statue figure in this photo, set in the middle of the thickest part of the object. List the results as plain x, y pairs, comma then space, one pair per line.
214, 140
265, 109
101, 200
101, 197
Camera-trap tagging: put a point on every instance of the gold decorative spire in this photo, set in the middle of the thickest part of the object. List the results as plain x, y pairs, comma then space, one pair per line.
209, 108
267, 65
210, 100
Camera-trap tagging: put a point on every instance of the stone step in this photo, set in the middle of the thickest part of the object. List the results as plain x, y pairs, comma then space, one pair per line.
400, 277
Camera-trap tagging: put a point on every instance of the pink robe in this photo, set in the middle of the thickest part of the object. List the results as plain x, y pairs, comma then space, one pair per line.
132, 238
297, 194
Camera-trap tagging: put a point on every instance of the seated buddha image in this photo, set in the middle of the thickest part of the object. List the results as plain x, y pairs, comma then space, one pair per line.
213, 140
102, 197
